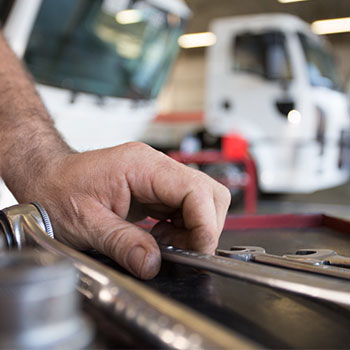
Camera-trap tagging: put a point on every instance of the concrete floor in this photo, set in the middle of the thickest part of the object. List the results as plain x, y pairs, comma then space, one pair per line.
334, 202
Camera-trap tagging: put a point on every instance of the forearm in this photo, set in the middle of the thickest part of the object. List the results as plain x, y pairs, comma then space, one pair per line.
27, 134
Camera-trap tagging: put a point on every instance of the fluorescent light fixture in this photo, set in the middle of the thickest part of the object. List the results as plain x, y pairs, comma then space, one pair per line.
331, 26
294, 117
288, 1
128, 16
188, 41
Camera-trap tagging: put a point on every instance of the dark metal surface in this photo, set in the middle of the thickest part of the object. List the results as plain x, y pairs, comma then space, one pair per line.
280, 277
273, 318
288, 240
266, 316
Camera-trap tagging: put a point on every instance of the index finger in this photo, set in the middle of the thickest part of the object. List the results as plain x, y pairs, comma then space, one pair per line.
204, 212
203, 201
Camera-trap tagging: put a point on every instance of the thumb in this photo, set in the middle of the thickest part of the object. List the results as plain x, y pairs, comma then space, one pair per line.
130, 246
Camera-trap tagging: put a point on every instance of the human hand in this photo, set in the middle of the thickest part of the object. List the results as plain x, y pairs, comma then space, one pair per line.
91, 198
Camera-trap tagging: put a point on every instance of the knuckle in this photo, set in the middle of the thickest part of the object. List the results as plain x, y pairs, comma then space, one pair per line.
112, 243
224, 194
199, 178
167, 165
137, 146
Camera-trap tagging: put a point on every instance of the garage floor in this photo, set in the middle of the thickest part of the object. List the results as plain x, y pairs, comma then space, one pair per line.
335, 202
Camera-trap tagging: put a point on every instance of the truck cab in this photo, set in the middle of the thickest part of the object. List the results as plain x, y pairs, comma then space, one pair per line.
273, 82
98, 65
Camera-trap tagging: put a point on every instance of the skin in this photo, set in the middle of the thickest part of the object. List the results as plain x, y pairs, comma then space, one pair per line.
94, 197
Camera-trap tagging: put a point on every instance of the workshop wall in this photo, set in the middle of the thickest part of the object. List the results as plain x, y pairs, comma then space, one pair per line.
185, 88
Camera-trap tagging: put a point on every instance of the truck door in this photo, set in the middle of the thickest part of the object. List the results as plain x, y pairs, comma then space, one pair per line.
256, 90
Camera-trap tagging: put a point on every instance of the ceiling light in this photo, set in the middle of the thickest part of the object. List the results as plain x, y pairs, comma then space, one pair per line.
331, 26
188, 41
128, 16
288, 1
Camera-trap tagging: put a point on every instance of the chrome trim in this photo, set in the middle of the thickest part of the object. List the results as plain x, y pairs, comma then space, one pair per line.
13, 216
46, 219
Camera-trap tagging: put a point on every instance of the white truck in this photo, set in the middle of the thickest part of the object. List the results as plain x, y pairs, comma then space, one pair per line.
98, 65
273, 82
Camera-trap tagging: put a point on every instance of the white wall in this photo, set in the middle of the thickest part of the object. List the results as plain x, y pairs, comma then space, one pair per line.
185, 88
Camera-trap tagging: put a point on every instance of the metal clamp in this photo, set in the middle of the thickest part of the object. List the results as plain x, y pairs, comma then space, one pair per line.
11, 231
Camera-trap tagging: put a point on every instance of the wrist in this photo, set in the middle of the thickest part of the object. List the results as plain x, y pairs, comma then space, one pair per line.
29, 173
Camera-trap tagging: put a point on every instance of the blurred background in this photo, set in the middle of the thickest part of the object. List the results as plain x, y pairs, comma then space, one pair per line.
254, 93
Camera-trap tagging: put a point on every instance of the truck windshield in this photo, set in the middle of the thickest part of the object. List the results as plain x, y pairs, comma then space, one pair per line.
320, 64
99, 48
262, 54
